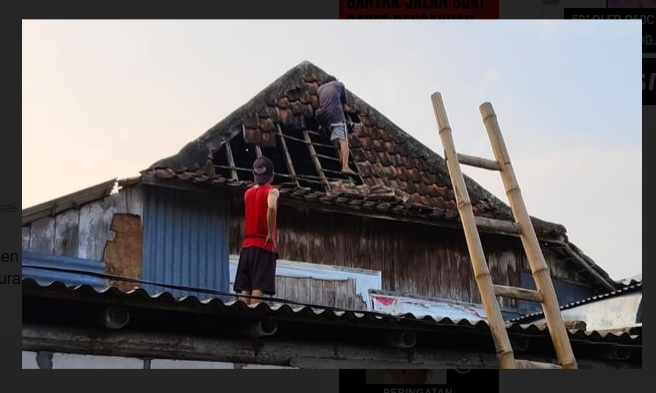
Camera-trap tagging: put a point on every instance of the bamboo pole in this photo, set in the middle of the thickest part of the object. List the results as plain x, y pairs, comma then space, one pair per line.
499, 225
539, 267
528, 364
479, 264
478, 162
518, 293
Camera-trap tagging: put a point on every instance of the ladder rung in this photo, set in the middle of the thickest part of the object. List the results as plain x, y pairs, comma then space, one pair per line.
478, 162
527, 364
499, 225
518, 293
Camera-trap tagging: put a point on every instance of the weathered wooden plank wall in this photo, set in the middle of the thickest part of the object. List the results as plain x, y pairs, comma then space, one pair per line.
82, 232
413, 258
307, 290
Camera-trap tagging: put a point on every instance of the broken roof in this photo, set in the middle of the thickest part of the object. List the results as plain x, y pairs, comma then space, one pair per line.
395, 167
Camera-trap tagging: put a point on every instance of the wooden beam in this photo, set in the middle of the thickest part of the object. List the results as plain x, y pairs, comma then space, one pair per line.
288, 157
329, 158
539, 268
315, 159
478, 162
304, 141
231, 161
518, 293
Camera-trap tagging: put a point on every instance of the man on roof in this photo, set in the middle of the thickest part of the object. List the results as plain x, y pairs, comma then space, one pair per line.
256, 272
332, 97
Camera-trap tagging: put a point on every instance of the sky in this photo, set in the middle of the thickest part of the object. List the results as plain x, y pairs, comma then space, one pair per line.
106, 99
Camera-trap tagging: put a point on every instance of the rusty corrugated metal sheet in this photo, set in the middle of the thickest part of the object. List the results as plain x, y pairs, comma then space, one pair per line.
631, 288
186, 240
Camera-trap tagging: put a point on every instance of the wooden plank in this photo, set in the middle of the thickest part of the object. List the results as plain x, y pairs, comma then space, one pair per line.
479, 264
134, 197
67, 226
281, 289
316, 294
26, 238
305, 141
518, 293
315, 160
231, 161
91, 232
95, 223
478, 162
329, 158
288, 157
42, 236
328, 292
539, 268
304, 289
292, 288
341, 294
351, 296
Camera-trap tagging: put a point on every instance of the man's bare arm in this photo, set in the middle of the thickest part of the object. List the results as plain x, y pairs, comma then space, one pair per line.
272, 201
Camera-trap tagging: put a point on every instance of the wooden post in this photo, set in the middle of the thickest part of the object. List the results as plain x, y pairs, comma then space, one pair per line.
288, 157
541, 273
479, 264
315, 160
231, 161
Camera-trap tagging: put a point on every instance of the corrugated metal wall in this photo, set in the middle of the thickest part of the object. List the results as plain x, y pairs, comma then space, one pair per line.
185, 240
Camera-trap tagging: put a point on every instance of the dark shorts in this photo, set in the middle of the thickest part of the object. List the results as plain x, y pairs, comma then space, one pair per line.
256, 271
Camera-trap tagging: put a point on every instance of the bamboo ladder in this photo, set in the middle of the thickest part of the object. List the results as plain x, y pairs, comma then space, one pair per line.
545, 293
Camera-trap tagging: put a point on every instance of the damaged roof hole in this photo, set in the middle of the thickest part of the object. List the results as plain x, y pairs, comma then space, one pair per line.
311, 123
354, 117
281, 169
220, 159
300, 155
330, 160
244, 156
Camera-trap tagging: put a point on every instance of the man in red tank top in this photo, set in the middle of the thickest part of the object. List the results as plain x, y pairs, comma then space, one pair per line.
256, 273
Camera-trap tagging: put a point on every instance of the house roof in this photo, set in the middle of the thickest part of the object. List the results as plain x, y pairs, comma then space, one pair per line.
394, 166
307, 321
633, 287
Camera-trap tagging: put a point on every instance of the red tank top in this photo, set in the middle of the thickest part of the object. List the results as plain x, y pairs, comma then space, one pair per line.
255, 201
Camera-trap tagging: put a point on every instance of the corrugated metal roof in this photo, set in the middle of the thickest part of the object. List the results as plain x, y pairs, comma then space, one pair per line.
310, 314
32, 260
608, 295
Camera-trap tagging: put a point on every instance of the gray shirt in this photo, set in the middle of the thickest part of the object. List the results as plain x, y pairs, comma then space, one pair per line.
332, 97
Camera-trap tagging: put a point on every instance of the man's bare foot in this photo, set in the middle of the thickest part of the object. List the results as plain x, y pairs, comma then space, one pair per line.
348, 171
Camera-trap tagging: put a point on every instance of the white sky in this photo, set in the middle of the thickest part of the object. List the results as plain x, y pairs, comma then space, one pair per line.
105, 99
